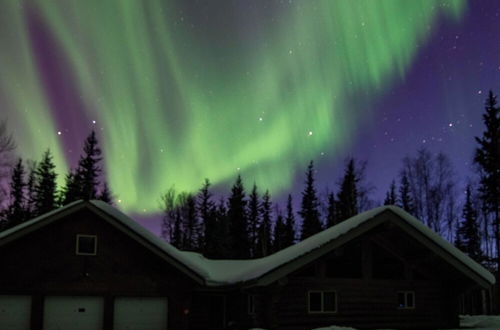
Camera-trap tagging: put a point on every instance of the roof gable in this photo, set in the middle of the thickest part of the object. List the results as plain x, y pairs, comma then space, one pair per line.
336, 236
119, 221
265, 270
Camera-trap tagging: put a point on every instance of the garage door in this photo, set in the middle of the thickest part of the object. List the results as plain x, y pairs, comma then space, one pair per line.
15, 312
61, 313
133, 313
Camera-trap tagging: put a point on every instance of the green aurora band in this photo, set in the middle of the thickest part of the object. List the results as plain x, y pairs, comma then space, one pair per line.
178, 103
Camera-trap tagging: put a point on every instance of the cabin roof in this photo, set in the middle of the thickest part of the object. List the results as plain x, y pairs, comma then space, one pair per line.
267, 269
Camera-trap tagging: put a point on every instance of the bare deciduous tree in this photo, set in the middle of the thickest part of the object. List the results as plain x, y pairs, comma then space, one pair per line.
433, 190
7, 146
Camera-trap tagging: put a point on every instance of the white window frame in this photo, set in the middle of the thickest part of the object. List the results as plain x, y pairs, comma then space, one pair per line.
322, 311
77, 251
406, 294
251, 304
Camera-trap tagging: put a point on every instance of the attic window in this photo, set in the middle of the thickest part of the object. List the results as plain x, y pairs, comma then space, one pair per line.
406, 300
86, 245
322, 302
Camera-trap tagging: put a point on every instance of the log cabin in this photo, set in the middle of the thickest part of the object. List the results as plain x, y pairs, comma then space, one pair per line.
89, 266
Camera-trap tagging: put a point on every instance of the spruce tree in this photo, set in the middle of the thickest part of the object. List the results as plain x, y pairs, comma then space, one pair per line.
331, 216
264, 239
15, 213
279, 235
468, 239
224, 241
348, 194
208, 220
487, 157
238, 225
391, 197
289, 238
89, 169
405, 200
169, 215
46, 187
190, 224
309, 212
106, 195
71, 189
254, 220
177, 237
30, 206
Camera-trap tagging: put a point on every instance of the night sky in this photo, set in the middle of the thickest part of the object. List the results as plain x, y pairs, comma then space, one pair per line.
183, 90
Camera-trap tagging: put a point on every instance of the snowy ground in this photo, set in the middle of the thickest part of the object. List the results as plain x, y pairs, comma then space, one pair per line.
484, 322
490, 322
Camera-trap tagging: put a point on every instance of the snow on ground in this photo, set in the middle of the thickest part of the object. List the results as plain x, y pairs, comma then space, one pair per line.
483, 322
490, 322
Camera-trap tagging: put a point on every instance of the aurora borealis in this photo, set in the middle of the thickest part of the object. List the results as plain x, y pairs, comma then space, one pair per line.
179, 91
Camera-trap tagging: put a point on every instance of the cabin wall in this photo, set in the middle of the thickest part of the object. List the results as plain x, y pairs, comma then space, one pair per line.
365, 304
44, 263
367, 273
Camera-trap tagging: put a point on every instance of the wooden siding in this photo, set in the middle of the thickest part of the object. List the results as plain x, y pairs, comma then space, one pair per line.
364, 304
374, 267
44, 263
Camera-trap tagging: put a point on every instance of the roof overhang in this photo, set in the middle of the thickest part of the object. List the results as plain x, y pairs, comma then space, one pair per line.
437, 245
30, 226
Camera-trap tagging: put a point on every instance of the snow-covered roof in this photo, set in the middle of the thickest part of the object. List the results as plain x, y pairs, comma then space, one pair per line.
224, 272
233, 271
227, 272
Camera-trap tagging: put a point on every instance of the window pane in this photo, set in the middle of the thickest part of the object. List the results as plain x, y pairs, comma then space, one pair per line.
315, 301
410, 299
401, 299
329, 302
86, 245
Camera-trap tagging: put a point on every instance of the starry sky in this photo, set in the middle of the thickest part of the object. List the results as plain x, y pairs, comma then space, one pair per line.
179, 91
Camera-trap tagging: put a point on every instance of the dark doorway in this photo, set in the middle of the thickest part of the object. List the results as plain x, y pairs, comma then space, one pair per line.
208, 312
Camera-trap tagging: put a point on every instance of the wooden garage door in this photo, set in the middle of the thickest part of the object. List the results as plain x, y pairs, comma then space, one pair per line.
140, 313
15, 312
73, 312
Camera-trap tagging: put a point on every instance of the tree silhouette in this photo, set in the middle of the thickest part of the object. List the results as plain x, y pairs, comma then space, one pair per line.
88, 168
254, 210
289, 238
7, 146
206, 211
405, 199
238, 224
279, 235
391, 197
309, 208
348, 194
106, 195
15, 212
487, 157
467, 238
331, 216
264, 238
45, 187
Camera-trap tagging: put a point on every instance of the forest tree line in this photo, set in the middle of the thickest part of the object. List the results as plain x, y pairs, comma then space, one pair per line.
248, 224
32, 188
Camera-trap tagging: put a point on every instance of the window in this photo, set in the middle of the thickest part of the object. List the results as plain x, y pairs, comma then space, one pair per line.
86, 245
406, 300
251, 304
322, 301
